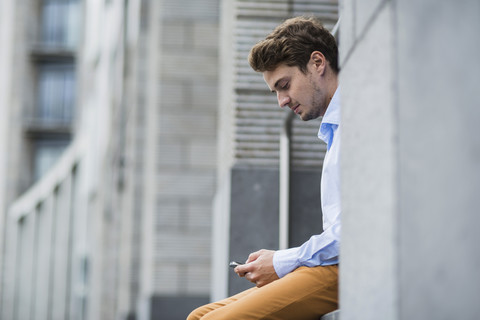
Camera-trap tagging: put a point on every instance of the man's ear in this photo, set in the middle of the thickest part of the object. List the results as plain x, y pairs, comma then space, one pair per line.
318, 60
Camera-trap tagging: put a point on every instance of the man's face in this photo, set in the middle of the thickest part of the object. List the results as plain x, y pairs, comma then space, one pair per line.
303, 93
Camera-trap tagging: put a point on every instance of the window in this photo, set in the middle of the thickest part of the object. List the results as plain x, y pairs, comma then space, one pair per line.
60, 22
46, 153
56, 93
50, 118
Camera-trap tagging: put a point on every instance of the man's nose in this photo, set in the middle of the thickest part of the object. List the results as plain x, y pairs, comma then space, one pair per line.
283, 100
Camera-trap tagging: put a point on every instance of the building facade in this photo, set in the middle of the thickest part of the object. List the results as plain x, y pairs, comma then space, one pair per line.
119, 228
128, 223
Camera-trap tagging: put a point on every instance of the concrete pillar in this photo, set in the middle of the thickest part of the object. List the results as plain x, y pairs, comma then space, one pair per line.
439, 159
410, 157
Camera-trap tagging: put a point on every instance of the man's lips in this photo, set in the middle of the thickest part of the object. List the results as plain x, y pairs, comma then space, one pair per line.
295, 109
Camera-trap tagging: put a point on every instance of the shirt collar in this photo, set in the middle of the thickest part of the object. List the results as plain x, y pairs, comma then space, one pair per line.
331, 117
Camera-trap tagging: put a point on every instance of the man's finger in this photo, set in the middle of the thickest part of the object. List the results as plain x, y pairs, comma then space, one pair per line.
243, 269
248, 276
253, 256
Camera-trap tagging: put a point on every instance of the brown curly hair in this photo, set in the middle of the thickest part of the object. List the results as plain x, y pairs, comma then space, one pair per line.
292, 43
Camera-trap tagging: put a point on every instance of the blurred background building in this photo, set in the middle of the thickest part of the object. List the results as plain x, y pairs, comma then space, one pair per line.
133, 132
139, 154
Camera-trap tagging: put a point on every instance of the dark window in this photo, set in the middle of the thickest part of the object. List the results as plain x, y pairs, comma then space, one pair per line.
56, 93
60, 22
49, 126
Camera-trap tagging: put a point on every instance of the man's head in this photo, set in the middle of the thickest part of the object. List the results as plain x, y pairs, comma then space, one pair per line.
299, 62
291, 43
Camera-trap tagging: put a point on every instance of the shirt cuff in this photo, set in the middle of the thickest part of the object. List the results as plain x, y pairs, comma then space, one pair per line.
285, 261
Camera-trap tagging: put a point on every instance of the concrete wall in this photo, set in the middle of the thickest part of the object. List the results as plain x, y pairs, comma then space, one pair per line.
410, 165
439, 163
368, 167
7, 14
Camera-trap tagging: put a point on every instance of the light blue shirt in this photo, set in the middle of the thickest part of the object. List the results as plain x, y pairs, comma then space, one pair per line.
321, 249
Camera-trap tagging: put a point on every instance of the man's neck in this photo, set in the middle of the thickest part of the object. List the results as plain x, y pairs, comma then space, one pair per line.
332, 86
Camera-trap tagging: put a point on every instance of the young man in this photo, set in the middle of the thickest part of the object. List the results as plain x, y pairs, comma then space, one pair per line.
299, 62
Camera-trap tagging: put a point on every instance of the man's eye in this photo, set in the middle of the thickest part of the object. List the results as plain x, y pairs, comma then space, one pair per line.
284, 86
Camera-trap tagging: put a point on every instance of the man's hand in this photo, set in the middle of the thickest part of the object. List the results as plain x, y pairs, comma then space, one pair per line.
258, 268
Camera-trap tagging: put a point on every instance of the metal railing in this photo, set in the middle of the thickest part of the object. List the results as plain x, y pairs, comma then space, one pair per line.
43, 260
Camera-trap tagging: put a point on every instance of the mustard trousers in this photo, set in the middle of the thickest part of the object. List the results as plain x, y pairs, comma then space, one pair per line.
306, 293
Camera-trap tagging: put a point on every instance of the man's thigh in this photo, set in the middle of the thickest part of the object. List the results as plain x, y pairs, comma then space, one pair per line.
305, 293
200, 312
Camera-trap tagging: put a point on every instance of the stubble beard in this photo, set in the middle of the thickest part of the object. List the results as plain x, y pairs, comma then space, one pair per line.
315, 111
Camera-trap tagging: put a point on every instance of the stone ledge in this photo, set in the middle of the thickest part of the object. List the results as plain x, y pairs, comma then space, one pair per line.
334, 315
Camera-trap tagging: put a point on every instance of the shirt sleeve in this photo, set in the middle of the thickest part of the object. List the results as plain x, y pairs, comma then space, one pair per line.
319, 250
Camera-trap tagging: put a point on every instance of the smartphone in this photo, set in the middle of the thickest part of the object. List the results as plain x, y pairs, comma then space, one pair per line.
233, 264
